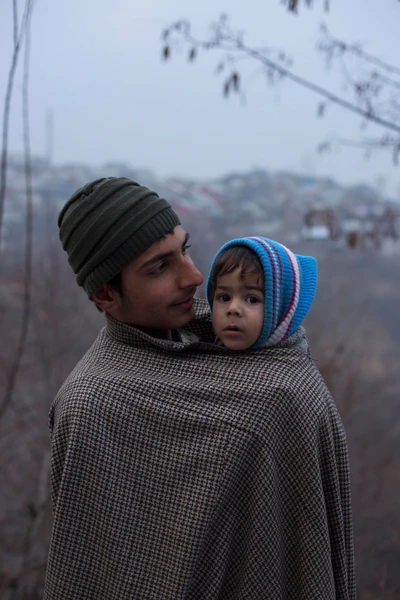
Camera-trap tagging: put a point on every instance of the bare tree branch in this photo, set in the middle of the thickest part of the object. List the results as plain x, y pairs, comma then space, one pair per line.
366, 143
342, 47
15, 17
387, 80
383, 143
6, 114
367, 114
29, 220
292, 5
374, 89
225, 39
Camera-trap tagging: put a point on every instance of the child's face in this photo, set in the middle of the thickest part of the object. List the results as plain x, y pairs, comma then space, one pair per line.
238, 309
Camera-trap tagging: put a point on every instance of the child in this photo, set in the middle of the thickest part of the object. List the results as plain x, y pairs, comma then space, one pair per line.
259, 292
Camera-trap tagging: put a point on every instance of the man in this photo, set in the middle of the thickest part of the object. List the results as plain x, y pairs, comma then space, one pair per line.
181, 470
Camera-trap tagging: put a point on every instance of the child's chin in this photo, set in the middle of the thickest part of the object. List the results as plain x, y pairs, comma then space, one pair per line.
232, 345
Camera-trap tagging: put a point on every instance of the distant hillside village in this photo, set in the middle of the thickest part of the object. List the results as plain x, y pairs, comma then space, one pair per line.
283, 205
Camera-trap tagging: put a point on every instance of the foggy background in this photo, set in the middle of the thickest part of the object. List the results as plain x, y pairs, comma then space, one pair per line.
103, 102
97, 66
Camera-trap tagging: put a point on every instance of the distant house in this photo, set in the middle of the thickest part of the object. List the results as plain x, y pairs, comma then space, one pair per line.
351, 225
316, 232
362, 231
320, 224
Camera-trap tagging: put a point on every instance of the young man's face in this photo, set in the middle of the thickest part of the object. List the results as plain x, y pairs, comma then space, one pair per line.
238, 309
158, 286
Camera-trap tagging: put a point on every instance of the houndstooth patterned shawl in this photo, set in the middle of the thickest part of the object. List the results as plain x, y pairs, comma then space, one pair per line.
181, 470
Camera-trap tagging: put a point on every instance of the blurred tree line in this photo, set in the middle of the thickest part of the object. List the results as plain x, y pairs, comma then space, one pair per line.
354, 333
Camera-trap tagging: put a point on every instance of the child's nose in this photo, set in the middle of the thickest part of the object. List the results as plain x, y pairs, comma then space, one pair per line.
233, 308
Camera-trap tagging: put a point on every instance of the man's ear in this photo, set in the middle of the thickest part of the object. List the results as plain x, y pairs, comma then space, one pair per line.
107, 299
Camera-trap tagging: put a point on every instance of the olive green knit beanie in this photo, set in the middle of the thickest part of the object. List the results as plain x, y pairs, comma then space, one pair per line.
108, 223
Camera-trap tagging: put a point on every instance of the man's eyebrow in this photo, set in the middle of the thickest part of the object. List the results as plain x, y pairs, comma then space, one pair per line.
163, 255
156, 258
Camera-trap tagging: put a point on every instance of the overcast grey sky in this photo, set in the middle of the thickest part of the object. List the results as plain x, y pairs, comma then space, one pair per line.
97, 65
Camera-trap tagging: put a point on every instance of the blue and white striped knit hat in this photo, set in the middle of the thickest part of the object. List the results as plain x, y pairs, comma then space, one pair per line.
290, 283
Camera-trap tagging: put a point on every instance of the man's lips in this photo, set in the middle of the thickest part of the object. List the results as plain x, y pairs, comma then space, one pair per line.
187, 299
186, 302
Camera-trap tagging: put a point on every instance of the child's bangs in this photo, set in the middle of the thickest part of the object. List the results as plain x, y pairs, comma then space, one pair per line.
237, 257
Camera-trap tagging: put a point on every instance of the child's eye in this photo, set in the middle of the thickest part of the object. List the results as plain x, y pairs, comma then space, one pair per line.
223, 298
185, 248
253, 300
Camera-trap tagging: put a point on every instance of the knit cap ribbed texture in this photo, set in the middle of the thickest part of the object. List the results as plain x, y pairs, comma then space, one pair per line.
108, 223
290, 283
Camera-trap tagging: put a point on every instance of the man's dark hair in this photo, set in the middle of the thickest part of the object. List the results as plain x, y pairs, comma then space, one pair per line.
236, 257
116, 284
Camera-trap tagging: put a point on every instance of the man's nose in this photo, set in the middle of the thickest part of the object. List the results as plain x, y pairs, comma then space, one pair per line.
190, 275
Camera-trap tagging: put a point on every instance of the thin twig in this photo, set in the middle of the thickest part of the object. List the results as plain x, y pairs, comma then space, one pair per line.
357, 51
320, 90
231, 43
29, 224
15, 17
6, 114
388, 81
6, 118
375, 144
293, 4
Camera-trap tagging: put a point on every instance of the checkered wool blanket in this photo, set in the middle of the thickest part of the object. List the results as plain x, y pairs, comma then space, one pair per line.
186, 471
